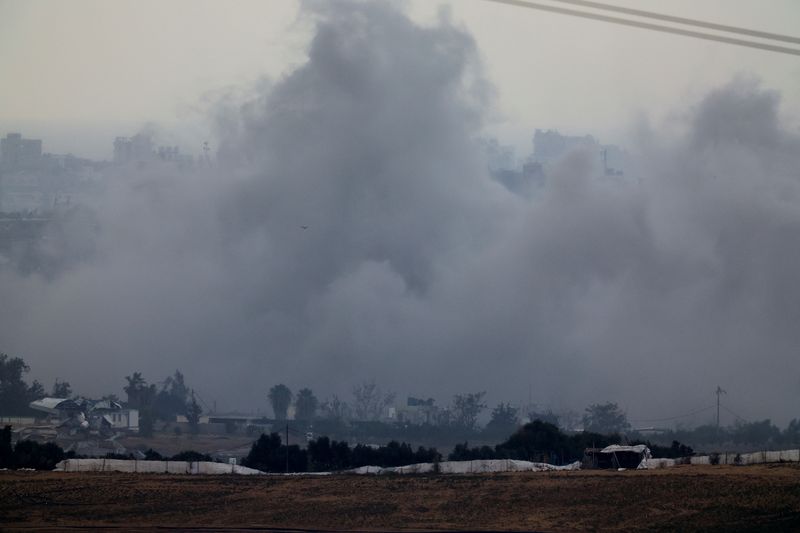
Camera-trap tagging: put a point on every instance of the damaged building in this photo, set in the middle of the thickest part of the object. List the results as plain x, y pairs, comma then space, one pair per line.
81, 415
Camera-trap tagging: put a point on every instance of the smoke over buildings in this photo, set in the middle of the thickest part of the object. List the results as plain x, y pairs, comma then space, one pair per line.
349, 229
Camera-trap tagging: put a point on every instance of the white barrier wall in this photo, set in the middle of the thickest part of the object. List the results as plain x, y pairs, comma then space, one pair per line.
152, 467
445, 467
753, 458
205, 467
657, 463
466, 467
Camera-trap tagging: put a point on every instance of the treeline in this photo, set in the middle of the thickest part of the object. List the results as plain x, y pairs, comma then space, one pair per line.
761, 434
45, 456
544, 442
269, 454
537, 441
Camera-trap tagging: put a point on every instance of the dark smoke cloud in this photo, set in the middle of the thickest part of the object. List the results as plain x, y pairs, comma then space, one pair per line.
417, 269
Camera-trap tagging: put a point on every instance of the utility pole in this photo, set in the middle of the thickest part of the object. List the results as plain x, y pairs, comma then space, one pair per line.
718, 392
287, 447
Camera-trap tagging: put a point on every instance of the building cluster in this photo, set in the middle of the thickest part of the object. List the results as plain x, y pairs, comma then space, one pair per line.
82, 425
34, 183
417, 411
549, 147
19, 153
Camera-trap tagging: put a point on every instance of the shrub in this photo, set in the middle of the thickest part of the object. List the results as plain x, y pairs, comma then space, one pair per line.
190, 456
31, 454
152, 455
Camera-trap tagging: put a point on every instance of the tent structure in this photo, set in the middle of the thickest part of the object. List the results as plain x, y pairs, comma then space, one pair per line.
616, 456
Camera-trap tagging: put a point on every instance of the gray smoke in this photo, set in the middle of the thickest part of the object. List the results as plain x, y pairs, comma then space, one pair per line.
418, 270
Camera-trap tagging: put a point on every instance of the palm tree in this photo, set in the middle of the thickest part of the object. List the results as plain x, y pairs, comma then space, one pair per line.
280, 396
305, 405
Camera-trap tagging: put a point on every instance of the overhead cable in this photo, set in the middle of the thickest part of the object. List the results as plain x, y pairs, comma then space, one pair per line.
739, 417
649, 26
684, 21
675, 417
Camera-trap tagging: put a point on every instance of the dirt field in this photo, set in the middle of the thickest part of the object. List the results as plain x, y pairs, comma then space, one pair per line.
688, 498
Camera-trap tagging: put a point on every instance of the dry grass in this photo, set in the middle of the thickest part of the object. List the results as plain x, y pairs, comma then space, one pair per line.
690, 498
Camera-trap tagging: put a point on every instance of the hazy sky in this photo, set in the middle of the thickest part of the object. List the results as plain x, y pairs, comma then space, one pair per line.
105, 68
416, 269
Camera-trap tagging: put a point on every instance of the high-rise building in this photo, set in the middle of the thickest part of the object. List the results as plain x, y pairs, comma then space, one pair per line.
136, 148
19, 153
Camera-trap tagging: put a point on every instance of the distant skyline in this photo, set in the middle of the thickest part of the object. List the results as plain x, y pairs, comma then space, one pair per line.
79, 73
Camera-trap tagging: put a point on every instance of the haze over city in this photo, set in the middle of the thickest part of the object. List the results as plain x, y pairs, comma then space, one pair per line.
368, 205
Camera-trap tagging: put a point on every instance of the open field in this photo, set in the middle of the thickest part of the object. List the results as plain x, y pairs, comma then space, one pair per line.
172, 444
687, 498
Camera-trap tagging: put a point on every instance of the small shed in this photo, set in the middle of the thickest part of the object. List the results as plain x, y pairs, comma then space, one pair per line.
616, 456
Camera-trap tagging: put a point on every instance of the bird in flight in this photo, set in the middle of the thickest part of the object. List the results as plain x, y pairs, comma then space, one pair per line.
304, 227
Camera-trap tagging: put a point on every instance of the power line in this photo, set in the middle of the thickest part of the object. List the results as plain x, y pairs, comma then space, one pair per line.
649, 26
684, 21
734, 414
674, 417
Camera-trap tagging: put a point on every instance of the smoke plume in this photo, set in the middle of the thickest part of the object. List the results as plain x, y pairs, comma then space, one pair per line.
349, 230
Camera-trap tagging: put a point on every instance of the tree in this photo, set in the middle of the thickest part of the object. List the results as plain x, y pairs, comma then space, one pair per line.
756, 433
139, 393
31, 454
6, 451
142, 396
326, 455
280, 396
466, 408
336, 409
35, 391
369, 401
175, 385
61, 389
173, 398
791, 435
605, 418
193, 412
15, 394
504, 420
269, 455
535, 441
305, 405
545, 416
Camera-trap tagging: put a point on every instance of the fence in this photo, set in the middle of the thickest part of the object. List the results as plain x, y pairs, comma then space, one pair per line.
730, 458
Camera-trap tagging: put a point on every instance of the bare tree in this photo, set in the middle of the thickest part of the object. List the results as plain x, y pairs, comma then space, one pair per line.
466, 408
61, 389
369, 401
335, 409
